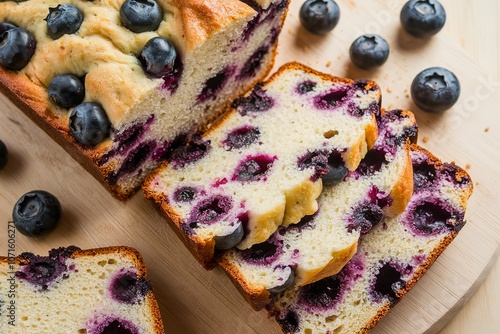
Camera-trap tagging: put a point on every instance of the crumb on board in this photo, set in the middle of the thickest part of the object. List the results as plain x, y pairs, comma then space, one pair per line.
407, 95
467, 166
305, 48
477, 183
486, 129
389, 90
425, 139
328, 63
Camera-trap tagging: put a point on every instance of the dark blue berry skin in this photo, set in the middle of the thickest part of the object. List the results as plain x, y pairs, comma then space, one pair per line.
63, 19
4, 155
335, 175
422, 18
66, 91
369, 51
17, 46
319, 16
4, 26
435, 89
141, 15
158, 56
89, 123
36, 213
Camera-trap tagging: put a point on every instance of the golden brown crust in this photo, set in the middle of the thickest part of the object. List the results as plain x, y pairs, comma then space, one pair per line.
257, 297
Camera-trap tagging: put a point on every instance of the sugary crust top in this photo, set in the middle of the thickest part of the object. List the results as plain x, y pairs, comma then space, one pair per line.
106, 52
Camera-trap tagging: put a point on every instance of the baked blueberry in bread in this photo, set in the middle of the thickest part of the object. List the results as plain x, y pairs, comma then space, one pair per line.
390, 259
119, 84
262, 165
92, 291
321, 244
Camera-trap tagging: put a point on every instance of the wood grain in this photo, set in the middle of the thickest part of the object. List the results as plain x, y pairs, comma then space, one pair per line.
195, 301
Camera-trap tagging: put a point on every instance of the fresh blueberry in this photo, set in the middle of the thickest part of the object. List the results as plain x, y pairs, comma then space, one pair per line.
89, 123
158, 56
17, 46
422, 18
231, 238
63, 19
319, 16
286, 284
4, 155
334, 175
4, 26
369, 51
141, 15
435, 89
36, 213
66, 90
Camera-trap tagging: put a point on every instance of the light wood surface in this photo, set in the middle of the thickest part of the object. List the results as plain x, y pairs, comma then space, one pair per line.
195, 301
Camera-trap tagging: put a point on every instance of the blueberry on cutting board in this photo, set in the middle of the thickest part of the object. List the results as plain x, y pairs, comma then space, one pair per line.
319, 16
4, 155
435, 89
36, 213
369, 51
422, 18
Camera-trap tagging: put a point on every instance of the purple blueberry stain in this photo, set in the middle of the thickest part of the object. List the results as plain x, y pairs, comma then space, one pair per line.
289, 321
388, 281
215, 84
330, 100
424, 175
372, 162
379, 197
264, 253
253, 168
431, 217
364, 217
43, 270
253, 63
126, 287
305, 87
306, 223
185, 194
322, 161
257, 101
241, 137
187, 154
329, 292
450, 171
110, 324
171, 80
209, 211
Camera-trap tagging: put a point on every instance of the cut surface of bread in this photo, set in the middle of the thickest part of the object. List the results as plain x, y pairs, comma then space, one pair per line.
222, 49
323, 243
92, 291
261, 165
390, 259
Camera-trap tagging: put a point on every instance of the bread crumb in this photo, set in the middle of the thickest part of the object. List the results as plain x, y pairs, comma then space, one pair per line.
467, 166
407, 95
486, 129
477, 183
425, 139
328, 63
305, 48
389, 90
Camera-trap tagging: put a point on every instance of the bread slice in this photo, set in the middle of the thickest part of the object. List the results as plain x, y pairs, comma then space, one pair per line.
390, 259
261, 166
323, 243
77, 291
223, 48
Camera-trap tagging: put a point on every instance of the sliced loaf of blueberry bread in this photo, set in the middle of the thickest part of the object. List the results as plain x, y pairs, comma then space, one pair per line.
261, 166
390, 259
120, 83
93, 291
321, 244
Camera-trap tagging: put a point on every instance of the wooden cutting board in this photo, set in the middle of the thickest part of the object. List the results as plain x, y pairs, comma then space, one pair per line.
195, 301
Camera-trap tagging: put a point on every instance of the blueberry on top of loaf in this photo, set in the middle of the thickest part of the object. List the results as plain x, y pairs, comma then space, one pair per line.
154, 86
261, 166
321, 244
80, 291
390, 259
